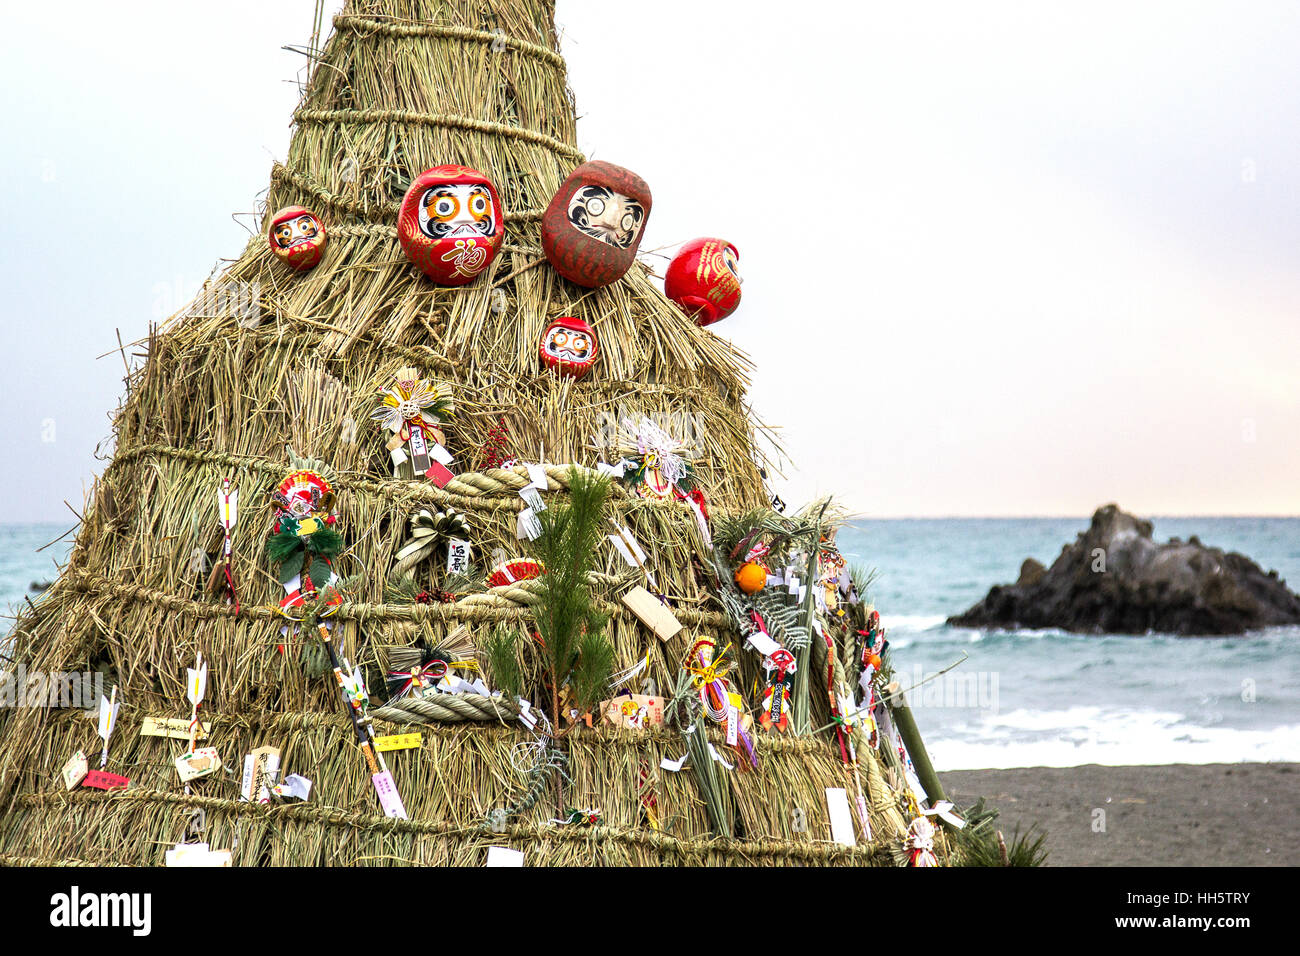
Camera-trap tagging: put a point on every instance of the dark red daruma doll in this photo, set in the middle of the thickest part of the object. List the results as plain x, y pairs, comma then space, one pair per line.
591, 229
704, 280
451, 224
297, 238
569, 346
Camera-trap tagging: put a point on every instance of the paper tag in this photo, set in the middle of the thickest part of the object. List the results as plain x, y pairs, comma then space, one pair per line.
713, 752
75, 770
504, 856
526, 714
295, 786
763, 643
528, 527
837, 803
419, 450
733, 726
674, 766
196, 854
458, 556
864, 818
914, 782
398, 742
943, 810
537, 477
389, 798
636, 711
438, 474
652, 612
198, 764
441, 455
178, 728
100, 780
260, 770
614, 471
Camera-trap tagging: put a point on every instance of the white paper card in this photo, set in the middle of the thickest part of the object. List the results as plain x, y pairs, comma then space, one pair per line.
536, 476
837, 803
718, 757
441, 455
526, 714
763, 643
504, 856
458, 556
673, 766
296, 786
621, 546
528, 527
196, 854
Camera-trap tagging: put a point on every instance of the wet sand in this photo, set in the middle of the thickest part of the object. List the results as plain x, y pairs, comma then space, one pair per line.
1245, 814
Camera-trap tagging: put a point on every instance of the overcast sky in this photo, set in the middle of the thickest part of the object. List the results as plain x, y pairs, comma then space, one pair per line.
998, 259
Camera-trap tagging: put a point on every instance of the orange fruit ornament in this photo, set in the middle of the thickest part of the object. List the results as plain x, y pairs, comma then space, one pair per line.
751, 577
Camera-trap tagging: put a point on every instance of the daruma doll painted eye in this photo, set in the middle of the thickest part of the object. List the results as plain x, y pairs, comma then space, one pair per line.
569, 346
704, 280
451, 224
297, 238
593, 225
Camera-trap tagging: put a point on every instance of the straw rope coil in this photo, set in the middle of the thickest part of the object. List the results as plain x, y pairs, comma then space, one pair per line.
658, 841
450, 120
444, 708
372, 26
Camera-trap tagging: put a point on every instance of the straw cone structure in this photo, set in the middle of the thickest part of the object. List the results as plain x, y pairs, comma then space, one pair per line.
267, 358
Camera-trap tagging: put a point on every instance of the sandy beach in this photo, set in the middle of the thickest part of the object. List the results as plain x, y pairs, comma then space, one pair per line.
1245, 814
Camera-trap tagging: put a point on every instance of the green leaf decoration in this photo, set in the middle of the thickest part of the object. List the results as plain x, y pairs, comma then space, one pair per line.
326, 542
290, 566
283, 544
320, 572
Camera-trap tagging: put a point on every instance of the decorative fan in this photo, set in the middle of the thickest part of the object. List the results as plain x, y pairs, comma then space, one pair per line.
429, 529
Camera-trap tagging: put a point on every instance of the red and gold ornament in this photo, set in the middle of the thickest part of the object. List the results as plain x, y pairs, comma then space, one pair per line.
297, 238
569, 347
451, 224
703, 279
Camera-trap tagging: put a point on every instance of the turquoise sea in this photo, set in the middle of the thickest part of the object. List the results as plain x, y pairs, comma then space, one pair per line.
1022, 698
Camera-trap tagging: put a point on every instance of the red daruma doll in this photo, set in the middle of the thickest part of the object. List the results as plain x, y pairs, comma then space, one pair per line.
451, 224
297, 238
704, 280
593, 226
569, 346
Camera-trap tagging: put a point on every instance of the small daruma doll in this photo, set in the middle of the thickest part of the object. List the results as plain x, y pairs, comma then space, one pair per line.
593, 226
569, 346
297, 238
451, 224
704, 280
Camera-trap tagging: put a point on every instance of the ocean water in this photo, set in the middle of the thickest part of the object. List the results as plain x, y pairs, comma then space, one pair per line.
1021, 698
1026, 698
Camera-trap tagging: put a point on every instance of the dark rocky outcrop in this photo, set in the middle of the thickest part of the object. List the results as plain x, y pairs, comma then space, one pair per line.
1115, 579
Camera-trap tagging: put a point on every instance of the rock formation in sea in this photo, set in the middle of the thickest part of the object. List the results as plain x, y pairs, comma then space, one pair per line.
1115, 579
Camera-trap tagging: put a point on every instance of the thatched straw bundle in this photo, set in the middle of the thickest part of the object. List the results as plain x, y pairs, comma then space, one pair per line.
267, 358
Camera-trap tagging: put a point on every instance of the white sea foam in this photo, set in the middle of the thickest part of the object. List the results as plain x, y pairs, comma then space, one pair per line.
1096, 735
912, 622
